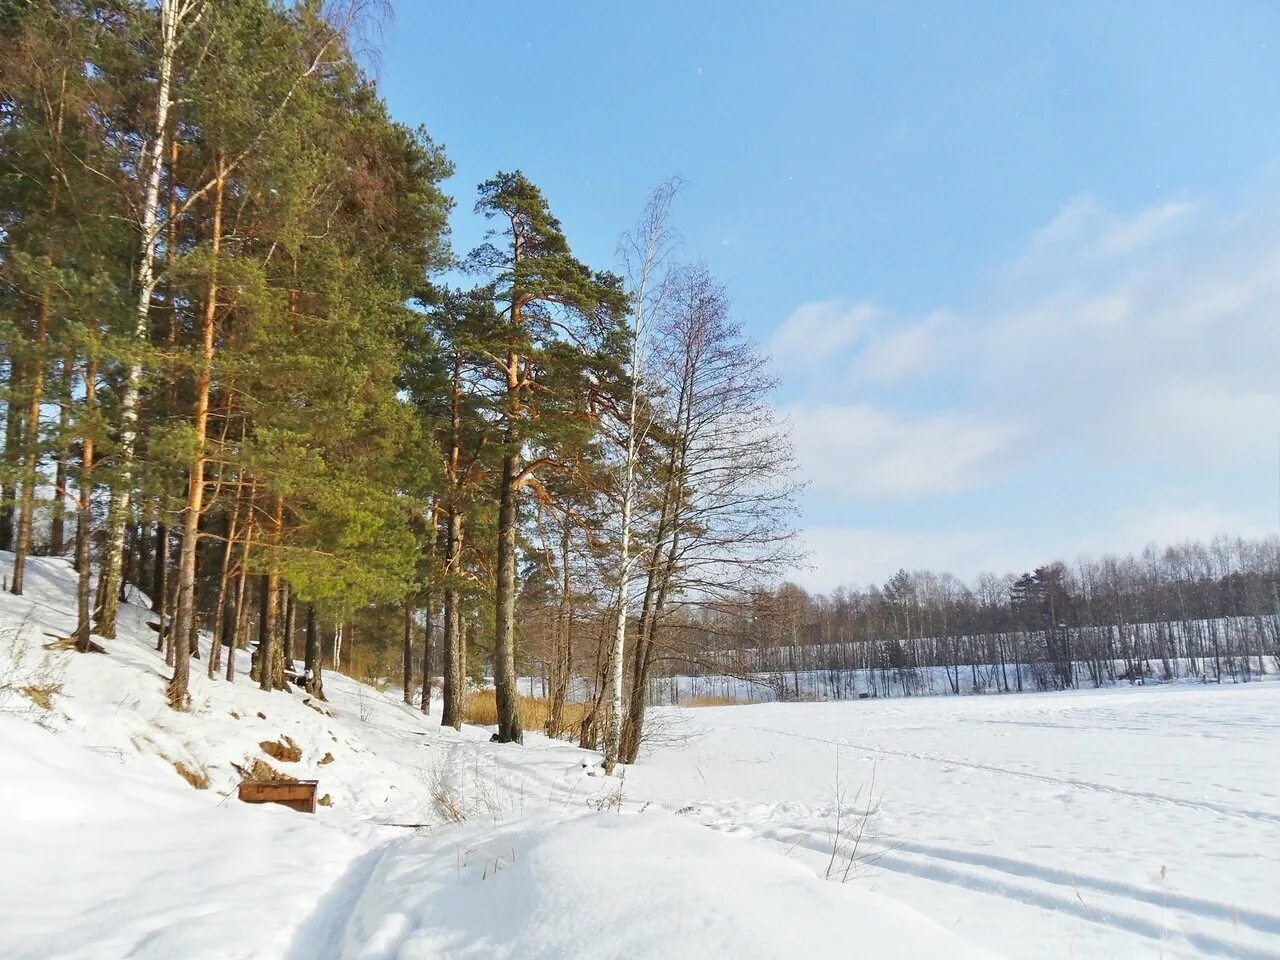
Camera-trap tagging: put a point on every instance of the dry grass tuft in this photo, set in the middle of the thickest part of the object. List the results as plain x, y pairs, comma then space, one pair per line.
482, 709
443, 797
710, 701
41, 694
284, 750
259, 771
196, 776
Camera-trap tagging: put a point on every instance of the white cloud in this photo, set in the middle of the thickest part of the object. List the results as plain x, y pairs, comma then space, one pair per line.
861, 451
817, 334
1151, 338
1113, 345
849, 556
894, 353
860, 556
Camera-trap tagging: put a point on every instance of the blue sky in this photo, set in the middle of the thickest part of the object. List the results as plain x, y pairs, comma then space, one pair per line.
1019, 262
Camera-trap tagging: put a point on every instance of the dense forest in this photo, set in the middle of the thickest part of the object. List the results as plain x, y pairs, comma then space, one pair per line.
236, 379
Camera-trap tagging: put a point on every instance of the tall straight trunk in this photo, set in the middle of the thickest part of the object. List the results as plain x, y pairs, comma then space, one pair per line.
160, 569
454, 692
504, 642
290, 625
453, 707
84, 611
12, 455
167, 619
270, 661
453, 710
427, 651
31, 438
409, 607
613, 728
256, 671
58, 520
222, 605
172, 13
179, 697
314, 678
562, 656
242, 589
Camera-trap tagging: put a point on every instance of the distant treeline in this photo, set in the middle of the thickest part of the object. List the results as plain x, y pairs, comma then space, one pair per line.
1199, 610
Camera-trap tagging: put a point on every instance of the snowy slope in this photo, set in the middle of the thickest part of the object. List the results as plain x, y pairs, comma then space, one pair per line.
107, 852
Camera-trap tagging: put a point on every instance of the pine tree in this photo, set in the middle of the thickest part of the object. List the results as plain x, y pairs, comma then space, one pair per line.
561, 322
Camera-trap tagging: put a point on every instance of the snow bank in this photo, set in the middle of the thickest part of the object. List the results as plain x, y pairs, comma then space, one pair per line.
605, 886
102, 861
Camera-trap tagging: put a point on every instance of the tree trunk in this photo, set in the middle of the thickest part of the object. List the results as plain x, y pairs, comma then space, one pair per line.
12, 455
31, 438
118, 512
562, 656
455, 646
58, 520
314, 679
290, 625
179, 697
84, 531
223, 610
270, 662
504, 641
409, 607
426, 653
160, 568
241, 619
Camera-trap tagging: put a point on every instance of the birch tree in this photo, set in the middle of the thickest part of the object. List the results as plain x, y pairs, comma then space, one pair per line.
643, 252
724, 486
176, 19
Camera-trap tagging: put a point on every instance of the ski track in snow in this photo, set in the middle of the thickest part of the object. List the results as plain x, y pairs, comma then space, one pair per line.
1228, 810
1032, 885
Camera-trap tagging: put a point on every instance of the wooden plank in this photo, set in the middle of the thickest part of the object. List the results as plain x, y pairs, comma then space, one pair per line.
295, 794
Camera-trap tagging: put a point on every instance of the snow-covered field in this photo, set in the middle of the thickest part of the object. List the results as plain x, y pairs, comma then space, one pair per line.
1109, 824
1135, 823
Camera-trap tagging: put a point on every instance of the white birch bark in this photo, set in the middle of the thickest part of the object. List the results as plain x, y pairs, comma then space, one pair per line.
644, 250
173, 15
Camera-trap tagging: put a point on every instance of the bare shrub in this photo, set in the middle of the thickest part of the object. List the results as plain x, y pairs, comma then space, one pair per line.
444, 796
613, 799
848, 829
30, 677
472, 789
